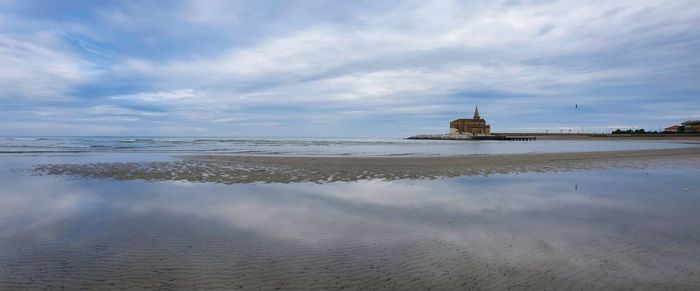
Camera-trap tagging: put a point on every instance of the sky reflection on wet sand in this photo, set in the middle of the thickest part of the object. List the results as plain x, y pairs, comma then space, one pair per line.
589, 229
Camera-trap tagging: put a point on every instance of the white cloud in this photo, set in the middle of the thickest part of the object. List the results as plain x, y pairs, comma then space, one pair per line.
506, 37
368, 63
102, 110
158, 97
36, 68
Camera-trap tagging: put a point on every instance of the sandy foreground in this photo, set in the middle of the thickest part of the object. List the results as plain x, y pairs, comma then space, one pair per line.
583, 230
285, 169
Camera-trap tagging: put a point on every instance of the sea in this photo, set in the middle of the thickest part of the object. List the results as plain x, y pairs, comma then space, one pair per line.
311, 146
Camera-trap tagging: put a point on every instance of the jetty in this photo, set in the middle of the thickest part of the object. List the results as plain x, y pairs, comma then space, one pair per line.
504, 137
472, 137
474, 128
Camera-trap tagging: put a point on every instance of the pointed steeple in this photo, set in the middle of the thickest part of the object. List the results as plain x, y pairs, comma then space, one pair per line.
476, 113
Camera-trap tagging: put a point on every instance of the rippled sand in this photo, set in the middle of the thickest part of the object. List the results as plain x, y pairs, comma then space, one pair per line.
612, 229
250, 169
606, 220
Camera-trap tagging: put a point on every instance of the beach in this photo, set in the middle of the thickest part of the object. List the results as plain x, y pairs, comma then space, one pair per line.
349, 145
140, 219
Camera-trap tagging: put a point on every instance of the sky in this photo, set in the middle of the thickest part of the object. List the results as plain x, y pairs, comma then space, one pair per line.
344, 68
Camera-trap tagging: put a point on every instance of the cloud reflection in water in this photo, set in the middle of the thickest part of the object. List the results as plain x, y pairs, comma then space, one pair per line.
611, 228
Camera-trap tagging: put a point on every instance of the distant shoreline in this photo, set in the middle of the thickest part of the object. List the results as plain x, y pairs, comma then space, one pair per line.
692, 138
588, 136
290, 169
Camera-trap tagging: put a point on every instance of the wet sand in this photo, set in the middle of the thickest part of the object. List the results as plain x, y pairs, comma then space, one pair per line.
587, 230
286, 169
596, 221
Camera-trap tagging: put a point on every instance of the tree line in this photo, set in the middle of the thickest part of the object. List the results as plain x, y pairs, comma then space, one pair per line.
642, 131
636, 131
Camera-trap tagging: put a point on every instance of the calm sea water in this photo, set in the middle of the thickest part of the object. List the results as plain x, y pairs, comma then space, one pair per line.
603, 229
307, 146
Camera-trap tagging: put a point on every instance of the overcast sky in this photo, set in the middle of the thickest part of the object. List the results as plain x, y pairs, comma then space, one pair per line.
344, 68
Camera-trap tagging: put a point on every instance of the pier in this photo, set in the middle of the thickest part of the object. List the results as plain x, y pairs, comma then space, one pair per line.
475, 137
523, 138
504, 137
474, 128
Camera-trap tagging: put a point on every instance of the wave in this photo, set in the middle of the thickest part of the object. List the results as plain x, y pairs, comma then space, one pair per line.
27, 138
136, 140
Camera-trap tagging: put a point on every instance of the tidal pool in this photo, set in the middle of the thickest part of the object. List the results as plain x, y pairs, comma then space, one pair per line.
600, 229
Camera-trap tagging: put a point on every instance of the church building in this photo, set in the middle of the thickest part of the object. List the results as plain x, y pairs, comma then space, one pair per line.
473, 126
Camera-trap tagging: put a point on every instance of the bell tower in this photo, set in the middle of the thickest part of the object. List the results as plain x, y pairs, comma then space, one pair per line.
476, 113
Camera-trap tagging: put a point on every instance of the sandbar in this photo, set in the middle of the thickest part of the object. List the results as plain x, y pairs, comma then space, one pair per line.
291, 169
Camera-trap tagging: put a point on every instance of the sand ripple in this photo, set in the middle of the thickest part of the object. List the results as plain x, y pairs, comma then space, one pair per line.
247, 169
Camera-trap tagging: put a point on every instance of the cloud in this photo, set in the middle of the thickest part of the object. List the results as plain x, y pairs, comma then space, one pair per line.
308, 63
160, 97
34, 68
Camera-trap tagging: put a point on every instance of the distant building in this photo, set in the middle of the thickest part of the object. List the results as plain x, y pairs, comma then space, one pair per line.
692, 126
674, 128
473, 126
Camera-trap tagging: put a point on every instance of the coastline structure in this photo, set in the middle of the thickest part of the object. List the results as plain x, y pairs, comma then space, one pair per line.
474, 126
690, 126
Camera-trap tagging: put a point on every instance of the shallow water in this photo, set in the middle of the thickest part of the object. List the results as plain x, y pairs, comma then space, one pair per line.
587, 229
309, 146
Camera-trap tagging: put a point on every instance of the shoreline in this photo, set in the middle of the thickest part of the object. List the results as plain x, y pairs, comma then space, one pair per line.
685, 138
293, 169
676, 138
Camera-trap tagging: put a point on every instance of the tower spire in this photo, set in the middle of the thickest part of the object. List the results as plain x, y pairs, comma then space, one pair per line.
476, 113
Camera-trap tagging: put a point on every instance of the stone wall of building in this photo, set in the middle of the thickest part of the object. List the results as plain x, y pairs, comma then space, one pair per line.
691, 126
473, 126
470, 126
